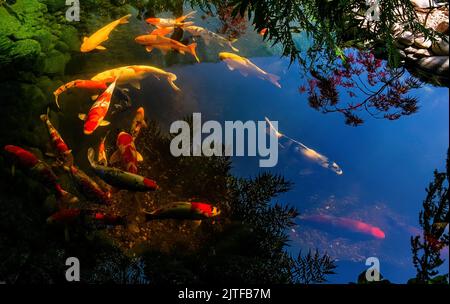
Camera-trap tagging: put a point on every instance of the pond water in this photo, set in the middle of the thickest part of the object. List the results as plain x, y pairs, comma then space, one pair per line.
386, 164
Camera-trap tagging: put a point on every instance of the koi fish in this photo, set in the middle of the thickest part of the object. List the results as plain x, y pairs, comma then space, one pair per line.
246, 67
309, 153
138, 122
69, 216
345, 223
183, 211
121, 179
170, 22
95, 40
88, 186
126, 153
81, 84
134, 73
101, 156
98, 111
39, 170
163, 31
165, 44
57, 141
207, 36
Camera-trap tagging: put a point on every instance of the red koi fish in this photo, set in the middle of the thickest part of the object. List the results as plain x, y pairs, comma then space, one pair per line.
39, 170
98, 111
126, 153
80, 84
345, 223
69, 216
58, 143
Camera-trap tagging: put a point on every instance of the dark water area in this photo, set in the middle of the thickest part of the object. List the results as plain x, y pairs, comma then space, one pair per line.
386, 164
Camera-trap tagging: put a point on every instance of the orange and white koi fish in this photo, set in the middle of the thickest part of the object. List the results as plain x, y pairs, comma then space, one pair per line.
246, 67
98, 111
263, 31
134, 73
171, 22
126, 153
138, 122
101, 156
165, 44
207, 36
58, 143
95, 40
309, 153
81, 84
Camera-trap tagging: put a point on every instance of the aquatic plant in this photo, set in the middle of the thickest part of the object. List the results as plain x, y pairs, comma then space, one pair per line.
312, 268
433, 219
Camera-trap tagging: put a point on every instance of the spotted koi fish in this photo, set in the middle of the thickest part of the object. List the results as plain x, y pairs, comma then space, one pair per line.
69, 216
138, 122
98, 111
89, 187
126, 153
80, 84
184, 211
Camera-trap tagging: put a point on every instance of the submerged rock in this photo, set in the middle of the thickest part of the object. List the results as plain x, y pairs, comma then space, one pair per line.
434, 64
406, 38
422, 42
423, 3
440, 47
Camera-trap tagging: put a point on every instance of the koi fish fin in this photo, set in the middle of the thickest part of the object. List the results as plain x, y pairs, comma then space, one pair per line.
136, 84
90, 156
230, 67
82, 116
197, 223
56, 99
207, 40
171, 78
100, 48
53, 155
115, 157
94, 97
139, 157
191, 48
13, 170
124, 19
149, 48
164, 51
244, 73
104, 123
274, 80
85, 38
232, 47
182, 18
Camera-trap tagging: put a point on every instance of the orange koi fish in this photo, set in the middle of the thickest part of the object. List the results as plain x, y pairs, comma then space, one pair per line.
94, 42
263, 31
81, 84
98, 111
163, 31
101, 156
126, 153
171, 22
134, 73
165, 44
138, 122
57, 141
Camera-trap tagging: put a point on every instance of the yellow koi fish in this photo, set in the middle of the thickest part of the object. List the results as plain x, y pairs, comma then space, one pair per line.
134, 73
246, 67
95, 40
165, 44
138, 122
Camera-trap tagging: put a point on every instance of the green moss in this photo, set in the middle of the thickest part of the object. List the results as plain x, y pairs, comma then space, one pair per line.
69, 35
25, 53
55, 62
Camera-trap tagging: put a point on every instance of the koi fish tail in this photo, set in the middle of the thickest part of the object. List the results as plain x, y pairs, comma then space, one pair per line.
171, 78
274, 79
124, 20
64, 195
192, 50
232, 47
44, 117
182, 18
